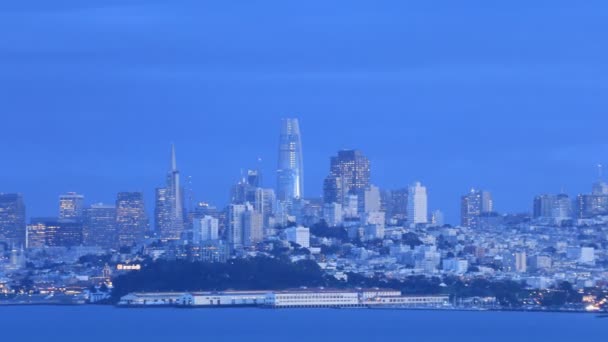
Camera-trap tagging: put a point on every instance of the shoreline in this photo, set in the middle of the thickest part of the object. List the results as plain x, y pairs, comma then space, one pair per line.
385, 308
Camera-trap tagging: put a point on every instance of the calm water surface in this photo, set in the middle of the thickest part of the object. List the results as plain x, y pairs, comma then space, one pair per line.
93, 323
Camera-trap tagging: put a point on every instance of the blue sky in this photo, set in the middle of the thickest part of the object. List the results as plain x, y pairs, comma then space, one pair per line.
511, 97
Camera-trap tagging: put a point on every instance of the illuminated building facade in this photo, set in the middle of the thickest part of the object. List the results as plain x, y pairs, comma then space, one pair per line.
131, 220
12, 218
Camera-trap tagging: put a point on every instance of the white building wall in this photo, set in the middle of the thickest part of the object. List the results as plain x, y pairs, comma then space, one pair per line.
417, 204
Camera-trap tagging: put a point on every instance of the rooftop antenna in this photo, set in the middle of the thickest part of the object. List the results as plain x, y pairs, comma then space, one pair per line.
190, 194
600, 171
173, 160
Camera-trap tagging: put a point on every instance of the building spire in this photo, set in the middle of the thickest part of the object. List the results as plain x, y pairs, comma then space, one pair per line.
173, 160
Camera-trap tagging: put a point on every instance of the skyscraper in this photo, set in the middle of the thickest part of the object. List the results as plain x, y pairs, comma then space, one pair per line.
395, 203
70, 233
205, 228
254, 178
131, 219
253, 227
43, 231
71, 206
349, 173
417, 204
591, 205
369, 200
169, 206
600, 187
557, 207
12, 218
235, 223
472, 205
290, 171
99, 226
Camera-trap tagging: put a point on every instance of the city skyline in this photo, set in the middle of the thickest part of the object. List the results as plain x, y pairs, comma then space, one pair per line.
402, 161
452, 212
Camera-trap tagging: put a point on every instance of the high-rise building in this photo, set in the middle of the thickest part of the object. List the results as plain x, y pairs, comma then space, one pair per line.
71, 206
42, 232
290, 171
205, 229
12, 219
369, 200
473, 205
600, 187
254, 178
169, 206
52, 232
349, 173
253, 227
332, 190
437, 218
395, 203
68, 234
36, 234
245, 225
332, 214
264, 203
99, 226
591, 205
417, 204
241, 192
131, 220
235, 223
562, 207
350, 206
543, 206
263, 200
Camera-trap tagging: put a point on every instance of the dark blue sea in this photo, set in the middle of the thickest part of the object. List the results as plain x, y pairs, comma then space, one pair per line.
95, 323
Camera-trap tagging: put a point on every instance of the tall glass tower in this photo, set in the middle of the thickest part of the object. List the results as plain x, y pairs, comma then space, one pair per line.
290, 172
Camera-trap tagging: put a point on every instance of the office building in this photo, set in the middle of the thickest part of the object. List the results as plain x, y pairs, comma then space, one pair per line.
299, 235
350, 173
131, 221
254, 178
205, 229
71, 206
554, 207
69, 234
417, 204
253, 227
99, 226
369, 200
41, 232
12, 219
473, 205
332, 214
53, 232
235, 223
395, 204
437, 218
591, 205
